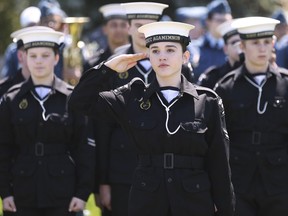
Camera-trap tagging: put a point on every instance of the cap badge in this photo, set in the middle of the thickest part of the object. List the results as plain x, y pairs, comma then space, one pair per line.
124, 75
23, 104
145, 105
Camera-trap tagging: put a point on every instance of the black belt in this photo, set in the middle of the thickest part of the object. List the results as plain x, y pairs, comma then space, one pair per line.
171, 161
43, 149
257, 138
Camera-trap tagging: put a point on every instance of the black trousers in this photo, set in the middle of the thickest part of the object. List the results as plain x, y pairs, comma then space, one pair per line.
256, 202
119, 199
57, 211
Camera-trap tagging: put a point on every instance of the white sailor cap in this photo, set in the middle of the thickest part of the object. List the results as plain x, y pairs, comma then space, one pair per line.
144, 10
166, 31
16, 34
30, 16
113, 11
41, 38
18, 40
255, 27
227, 30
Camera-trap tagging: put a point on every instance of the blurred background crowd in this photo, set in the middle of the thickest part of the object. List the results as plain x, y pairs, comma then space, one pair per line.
10, 11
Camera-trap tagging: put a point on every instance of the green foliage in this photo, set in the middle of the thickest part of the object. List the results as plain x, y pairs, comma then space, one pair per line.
7, 22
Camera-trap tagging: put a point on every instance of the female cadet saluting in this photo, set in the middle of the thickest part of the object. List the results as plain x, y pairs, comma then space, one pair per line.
177, 127
44, 157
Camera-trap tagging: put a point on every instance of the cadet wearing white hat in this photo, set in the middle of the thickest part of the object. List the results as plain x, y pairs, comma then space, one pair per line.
233, 52
255, 97
115, 28
119, 160
176, 127
47, 142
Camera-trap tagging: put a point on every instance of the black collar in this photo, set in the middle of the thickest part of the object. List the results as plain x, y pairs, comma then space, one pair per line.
185, 87
57, 85
271, 71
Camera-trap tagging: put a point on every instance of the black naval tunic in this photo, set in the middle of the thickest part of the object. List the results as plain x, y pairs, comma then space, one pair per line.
184, 173
257, 123
45, 151
116, 152
8, 82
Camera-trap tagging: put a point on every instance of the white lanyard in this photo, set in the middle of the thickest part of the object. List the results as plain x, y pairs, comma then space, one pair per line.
167, 109
259, 95
41, 102
144, 74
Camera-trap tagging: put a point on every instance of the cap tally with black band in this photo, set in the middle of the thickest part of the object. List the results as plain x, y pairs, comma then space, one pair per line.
166, 31
41, 38
255, 27
144, 10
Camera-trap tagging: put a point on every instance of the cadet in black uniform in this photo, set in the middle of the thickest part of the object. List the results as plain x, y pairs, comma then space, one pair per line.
234, 56
255, 98
117, 155
177, 128
45, 153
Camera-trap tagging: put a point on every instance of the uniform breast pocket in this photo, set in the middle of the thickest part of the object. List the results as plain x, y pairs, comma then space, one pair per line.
194, 131
197, 126
145, 179
277, 108
59, 125
239, 111
24, 125
143, 124
142, 127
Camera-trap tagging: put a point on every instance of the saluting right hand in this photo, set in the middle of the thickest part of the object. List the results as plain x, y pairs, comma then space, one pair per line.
124, 62
9, 204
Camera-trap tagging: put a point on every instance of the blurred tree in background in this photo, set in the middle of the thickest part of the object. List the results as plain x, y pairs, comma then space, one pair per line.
11, 9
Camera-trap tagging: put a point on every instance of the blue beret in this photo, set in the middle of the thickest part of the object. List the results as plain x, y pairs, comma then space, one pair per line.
280, 15
218, 6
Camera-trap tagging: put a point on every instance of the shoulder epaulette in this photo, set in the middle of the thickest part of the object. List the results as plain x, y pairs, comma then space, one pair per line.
3, 80
204, 89
283, 71
14, 88
227, 76
203, 76
210, 69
